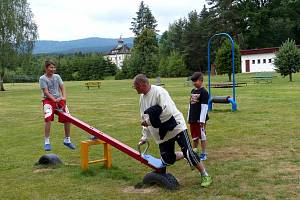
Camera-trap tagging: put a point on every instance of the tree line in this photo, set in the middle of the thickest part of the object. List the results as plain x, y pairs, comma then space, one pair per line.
182, 49
179, 51
71, 67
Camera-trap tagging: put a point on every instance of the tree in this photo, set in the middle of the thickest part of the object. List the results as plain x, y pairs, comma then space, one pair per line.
171, 40
18, 33
144, 55
287, 60
173, 66
192, 43
224, 59
144, 19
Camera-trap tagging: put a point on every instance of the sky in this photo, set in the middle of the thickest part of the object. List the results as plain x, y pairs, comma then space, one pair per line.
64, 20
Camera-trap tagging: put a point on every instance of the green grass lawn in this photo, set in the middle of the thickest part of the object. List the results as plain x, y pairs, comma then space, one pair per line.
253, 153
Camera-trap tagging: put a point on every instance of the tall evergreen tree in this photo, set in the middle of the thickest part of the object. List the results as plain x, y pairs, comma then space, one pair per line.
144, 57
192, 41
17, 34
144, 19
171, 40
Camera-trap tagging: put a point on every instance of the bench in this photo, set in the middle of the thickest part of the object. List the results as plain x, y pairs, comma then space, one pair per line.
227, 85
93, 84
158, 83
263, 76
188, 81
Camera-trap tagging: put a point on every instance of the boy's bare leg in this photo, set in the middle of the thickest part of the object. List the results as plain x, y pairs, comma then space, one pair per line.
203, 145
67, 140
195, 143
47, 145
67, 129
47, 129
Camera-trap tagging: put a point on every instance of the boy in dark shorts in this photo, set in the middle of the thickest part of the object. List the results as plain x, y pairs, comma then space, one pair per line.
197, 114
54, 96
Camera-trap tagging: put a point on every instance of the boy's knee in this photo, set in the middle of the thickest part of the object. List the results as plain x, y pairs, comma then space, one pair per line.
168, 159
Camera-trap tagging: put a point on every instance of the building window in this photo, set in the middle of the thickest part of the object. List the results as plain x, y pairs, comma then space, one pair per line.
270, 60
258, 61
253, 61
119, 57
264, 60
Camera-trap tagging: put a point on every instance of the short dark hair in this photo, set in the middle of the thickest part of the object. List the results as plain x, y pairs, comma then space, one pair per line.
49, 62
140, 78
197, 76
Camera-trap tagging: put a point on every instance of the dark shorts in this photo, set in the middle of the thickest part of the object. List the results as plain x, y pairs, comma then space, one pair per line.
167, 149
196, 130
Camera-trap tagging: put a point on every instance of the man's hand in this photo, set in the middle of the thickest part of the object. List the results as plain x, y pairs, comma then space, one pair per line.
141, 142
57, 100
202, 125
144, 123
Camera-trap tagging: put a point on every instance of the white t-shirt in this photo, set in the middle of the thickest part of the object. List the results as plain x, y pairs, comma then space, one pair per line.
159, 96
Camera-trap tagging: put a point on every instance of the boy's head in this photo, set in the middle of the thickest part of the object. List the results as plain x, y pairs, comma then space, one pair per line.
50, 67
197, 79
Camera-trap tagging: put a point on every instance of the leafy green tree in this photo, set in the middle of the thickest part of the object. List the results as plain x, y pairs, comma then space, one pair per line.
171, 40
173, 66
144, 19
224, 59
17, 34
287, 59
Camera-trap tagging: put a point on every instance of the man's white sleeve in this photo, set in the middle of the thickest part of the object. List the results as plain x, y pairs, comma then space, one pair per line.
145, 134
204, 108
165, 101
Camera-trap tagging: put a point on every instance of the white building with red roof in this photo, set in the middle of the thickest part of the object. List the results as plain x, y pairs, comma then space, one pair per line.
258, 60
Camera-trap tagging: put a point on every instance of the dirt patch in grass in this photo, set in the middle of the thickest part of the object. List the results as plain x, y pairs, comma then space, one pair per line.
236, 153
289, 168
132, 189
277, 191
226, 154
42, 170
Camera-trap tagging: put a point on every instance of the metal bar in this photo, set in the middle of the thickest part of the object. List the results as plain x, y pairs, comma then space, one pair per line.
97, 161
104, 137
234, 106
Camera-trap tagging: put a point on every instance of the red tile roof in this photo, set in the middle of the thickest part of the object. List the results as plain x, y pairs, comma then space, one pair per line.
260, 51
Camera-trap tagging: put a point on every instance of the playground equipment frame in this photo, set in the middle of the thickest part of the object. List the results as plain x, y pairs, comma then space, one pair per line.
231, 100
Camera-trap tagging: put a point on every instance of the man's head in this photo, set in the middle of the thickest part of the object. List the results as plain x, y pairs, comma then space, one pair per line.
197, 79
141, 84
50, 67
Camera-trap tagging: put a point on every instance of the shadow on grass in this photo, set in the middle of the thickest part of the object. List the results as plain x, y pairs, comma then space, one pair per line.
223, 111
112, 173
38, 168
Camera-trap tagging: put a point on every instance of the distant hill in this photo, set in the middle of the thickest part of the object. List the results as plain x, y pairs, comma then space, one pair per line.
85, 45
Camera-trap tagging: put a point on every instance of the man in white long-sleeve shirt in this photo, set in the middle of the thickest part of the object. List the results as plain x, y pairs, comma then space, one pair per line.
155, 98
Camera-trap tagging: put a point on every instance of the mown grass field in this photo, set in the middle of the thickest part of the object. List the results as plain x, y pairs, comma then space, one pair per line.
253, 153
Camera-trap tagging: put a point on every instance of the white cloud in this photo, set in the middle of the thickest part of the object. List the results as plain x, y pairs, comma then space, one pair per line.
75, 19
